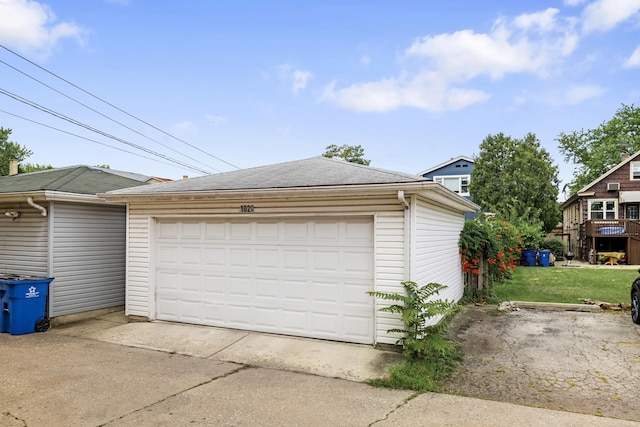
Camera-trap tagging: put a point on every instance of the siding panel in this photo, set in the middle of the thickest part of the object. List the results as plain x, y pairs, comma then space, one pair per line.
23, 242
88, 257
435, 247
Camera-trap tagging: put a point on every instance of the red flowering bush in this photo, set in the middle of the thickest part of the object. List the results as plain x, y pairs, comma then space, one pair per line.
491, 247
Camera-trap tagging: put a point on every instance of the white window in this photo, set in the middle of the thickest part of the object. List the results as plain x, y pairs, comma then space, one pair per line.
635, 170
603, 209
457, 184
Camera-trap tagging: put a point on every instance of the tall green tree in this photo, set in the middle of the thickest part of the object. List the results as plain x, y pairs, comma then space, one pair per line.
516, 177
10, 150
595, 151
351, 153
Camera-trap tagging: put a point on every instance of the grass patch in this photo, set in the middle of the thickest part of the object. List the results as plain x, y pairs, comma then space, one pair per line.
428, 374
566, 285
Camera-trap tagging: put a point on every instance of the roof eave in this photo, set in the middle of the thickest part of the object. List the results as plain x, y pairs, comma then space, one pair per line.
447, 163
425, 188
47, 195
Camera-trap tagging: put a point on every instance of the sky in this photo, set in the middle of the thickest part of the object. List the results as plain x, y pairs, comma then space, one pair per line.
207, 86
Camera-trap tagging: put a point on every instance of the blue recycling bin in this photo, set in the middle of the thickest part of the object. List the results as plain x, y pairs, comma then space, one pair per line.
530, 257
23, 300
545, 256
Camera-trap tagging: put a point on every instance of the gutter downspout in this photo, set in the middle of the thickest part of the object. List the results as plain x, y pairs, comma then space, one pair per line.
407, 235
402, 199
37, 206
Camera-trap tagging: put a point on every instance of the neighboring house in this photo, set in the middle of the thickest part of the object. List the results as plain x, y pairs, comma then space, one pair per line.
454, 174
290, 248
53, 224
604, 216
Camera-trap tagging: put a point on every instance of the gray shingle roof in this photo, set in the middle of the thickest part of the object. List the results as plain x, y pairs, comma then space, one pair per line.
314, 172
77, 179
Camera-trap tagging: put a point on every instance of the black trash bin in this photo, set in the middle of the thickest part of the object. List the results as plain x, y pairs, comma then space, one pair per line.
23, 300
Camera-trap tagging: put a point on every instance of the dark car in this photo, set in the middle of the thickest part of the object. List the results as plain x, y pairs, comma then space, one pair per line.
635, 301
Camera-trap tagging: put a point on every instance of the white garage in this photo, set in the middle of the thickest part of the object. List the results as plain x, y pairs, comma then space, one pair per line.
290, 248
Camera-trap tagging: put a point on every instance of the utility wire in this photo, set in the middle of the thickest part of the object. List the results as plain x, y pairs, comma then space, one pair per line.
85, 138
92, 129
106, 117
117, 108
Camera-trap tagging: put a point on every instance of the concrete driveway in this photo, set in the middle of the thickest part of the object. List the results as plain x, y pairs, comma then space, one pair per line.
573, 361
102, 372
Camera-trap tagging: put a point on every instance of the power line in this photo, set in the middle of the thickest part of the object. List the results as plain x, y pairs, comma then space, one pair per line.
105, 116
92, 129
85, 138
117, 108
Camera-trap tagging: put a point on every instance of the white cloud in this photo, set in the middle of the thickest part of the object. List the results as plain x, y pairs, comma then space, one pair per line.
533, 43
215, 119
634, 59
573, 2
577, 94
297, 79
29, 26
391, 94
603, 15
530, 43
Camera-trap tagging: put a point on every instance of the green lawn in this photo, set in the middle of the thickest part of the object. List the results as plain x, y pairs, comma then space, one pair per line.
566, 285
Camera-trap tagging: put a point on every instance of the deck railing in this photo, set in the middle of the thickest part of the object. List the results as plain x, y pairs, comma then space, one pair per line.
613, 228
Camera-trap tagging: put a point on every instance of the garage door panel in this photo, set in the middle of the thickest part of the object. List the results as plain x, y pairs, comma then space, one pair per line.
240, 257
240, 231
215, 231
191, 231
295, 259
357, 261
214, 257
168, 254
298, 277
214, 285
267, 258
266, 288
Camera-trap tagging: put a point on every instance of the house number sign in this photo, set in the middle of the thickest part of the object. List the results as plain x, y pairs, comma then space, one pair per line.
247, 208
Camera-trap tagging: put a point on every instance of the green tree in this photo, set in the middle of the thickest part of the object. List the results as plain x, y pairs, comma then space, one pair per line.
595, 151
351, 153
516, 176
10, 150
33, 167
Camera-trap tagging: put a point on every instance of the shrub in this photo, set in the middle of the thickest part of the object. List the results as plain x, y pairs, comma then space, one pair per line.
420, 340
555, 246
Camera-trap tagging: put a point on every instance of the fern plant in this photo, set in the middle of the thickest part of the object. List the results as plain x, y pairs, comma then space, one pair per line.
416, 308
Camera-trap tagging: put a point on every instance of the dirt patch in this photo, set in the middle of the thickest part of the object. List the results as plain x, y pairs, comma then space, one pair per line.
572, 361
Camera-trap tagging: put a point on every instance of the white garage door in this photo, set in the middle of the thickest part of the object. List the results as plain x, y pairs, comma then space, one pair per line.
296, 277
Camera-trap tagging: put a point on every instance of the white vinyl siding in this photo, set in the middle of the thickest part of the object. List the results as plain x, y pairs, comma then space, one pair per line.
88, 257
23, 241
435, 252
388, 240
390, 270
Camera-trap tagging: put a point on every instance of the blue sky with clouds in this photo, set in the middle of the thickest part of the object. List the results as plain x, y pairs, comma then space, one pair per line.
258, 82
